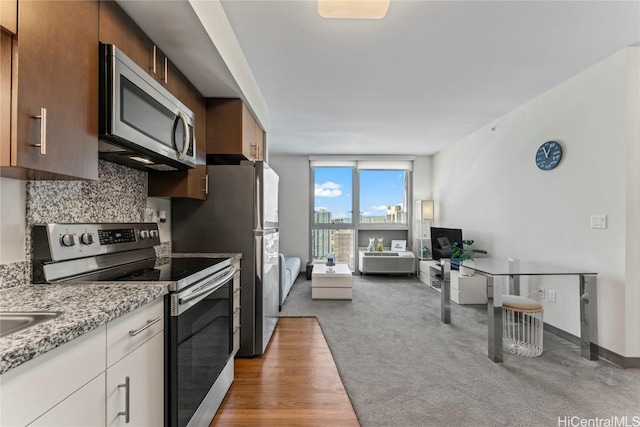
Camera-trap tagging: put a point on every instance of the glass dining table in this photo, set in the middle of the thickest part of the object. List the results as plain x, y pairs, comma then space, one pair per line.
495, 269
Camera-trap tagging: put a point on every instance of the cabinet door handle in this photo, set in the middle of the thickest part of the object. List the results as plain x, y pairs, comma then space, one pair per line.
155, 58
127, 393
147, 326
206, 184
166, 70
43, 131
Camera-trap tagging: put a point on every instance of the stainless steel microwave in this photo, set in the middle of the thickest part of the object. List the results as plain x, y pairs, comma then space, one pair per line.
141, 124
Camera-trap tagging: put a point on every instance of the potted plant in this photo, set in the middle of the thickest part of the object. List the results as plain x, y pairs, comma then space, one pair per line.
465, 252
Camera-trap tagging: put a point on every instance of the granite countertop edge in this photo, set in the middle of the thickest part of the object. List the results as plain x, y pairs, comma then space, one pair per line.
84, 307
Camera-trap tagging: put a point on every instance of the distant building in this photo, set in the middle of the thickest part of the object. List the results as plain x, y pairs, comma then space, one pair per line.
343, 246
378, 220
321, 244
322, 217
396, 214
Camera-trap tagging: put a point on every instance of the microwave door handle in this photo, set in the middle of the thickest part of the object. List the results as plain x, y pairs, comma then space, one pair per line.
187, 136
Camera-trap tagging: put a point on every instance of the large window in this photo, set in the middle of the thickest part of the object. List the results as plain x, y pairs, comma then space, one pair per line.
332, 223
333, 195
383, 197
379, 190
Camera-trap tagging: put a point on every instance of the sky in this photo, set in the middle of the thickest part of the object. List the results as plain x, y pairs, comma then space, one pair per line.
333, 191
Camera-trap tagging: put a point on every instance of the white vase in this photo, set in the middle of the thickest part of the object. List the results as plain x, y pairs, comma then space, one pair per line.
466, 271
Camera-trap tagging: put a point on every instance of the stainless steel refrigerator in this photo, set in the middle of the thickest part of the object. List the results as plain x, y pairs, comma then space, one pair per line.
239, 215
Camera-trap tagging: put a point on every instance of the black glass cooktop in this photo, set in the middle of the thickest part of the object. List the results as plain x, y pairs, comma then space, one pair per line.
153, 270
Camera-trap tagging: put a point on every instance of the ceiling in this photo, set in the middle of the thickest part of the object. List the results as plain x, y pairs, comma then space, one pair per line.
426, 75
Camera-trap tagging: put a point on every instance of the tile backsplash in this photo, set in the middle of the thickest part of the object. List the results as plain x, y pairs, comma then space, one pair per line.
119, 195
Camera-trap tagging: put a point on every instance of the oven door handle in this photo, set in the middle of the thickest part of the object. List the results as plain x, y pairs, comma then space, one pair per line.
209, 288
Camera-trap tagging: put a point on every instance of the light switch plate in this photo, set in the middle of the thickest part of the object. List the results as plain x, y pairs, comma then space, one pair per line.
598, 221
552, 296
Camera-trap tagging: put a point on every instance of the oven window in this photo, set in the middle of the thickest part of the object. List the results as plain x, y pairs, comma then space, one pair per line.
203, 343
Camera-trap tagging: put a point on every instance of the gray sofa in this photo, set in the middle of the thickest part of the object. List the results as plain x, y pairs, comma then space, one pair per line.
289, 271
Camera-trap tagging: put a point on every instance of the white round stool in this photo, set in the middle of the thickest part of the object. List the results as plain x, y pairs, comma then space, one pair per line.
522, 325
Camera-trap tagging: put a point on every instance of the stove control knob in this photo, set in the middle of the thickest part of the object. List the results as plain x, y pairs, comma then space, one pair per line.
154, 233
68, 240
144, 234
86, 238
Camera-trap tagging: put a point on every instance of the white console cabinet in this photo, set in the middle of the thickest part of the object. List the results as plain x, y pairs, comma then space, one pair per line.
401, 262
464, 289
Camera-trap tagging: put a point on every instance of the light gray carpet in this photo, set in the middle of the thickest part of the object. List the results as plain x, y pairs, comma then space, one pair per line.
402, 367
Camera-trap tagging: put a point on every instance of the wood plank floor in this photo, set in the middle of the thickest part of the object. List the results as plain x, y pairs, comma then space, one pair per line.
296, 383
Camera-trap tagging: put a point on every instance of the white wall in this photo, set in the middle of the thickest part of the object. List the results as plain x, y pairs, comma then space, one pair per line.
294, 204
13, 204
422, 175
632, 244
488, 185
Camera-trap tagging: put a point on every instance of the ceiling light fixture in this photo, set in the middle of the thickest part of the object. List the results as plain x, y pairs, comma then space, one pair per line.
353, 9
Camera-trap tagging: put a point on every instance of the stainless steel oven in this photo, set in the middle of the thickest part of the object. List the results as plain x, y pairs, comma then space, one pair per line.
199, 358
141, 123
198, 308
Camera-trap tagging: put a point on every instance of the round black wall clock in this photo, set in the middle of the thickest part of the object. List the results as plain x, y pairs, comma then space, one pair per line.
548, 155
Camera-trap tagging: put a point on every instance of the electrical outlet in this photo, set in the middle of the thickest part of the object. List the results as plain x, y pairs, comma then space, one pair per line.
598, 221
541, 293
149, 215
552, 296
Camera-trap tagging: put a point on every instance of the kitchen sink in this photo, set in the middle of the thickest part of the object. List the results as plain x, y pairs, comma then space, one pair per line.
14, 321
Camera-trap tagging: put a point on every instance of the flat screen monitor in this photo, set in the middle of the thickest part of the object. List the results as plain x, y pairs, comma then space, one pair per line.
442, 241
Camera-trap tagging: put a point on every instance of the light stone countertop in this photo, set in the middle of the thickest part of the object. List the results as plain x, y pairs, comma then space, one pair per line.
84, 307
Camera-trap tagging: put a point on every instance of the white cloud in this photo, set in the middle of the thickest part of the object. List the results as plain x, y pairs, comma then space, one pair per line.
366, 213
379, 208
328, 189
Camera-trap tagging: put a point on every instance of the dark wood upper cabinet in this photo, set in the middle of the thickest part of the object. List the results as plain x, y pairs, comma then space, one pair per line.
117, 28
232, 131
9, 16
172, 78
54, 74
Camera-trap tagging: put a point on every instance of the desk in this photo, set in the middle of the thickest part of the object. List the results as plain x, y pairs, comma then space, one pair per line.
513, 268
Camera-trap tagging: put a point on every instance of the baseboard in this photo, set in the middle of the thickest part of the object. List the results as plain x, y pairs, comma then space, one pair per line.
615, 358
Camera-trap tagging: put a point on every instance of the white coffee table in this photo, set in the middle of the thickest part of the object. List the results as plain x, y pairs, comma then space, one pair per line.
331, 285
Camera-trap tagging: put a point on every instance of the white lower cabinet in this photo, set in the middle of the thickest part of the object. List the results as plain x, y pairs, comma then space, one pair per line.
135, 387
30, 390
84, 408
78, 383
